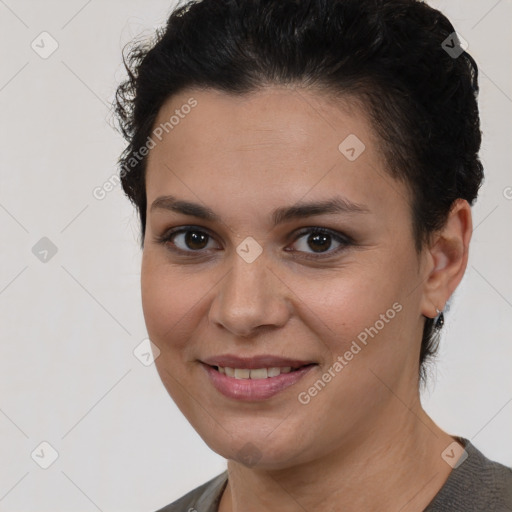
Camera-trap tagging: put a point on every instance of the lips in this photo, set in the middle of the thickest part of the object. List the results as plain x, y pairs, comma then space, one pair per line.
254, 378
253, 389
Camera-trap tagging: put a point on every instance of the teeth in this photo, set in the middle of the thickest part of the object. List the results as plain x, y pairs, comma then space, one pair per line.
273, 372
257, 373
260, 373
242, 373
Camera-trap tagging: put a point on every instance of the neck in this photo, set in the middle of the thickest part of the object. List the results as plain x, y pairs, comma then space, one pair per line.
395, 465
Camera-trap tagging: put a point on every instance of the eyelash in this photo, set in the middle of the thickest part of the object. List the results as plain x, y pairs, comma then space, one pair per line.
344, 240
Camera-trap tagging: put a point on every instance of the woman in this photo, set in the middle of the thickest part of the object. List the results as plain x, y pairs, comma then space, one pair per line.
304, 173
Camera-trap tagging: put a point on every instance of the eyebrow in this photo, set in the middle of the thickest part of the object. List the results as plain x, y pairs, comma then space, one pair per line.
337, 205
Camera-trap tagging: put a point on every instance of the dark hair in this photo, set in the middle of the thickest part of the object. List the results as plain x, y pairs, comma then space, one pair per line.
401, 60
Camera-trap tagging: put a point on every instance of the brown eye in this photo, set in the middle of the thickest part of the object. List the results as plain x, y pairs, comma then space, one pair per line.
319, 241
195, 240
187, 240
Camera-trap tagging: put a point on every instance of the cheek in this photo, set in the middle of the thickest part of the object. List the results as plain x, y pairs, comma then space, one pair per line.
167, 302
364, 315
346, 303
170, 305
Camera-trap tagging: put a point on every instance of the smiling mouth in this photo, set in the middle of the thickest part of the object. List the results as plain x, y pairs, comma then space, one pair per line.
257, 373
259, 383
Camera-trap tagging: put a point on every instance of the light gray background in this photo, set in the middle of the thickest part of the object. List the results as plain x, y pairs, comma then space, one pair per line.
69, 326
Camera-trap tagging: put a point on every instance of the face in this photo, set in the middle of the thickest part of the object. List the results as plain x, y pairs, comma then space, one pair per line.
254, 269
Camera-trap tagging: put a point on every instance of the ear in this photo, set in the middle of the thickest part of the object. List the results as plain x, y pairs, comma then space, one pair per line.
447, 258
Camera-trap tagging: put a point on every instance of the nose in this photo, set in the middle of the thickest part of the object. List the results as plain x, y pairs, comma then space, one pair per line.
250, 296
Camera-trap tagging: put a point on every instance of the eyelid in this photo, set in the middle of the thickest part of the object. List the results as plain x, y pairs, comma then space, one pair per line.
165, 238
343, 239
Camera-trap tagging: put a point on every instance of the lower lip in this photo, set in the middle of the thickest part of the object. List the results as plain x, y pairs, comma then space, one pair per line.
253, 389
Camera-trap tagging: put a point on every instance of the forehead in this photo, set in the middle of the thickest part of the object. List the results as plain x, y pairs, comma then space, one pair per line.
272, 120
255, 147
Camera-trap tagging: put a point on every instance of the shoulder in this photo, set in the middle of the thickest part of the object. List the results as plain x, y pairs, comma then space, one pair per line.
204, 498
478, 483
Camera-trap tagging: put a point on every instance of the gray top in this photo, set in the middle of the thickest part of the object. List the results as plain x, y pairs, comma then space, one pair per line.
477, 485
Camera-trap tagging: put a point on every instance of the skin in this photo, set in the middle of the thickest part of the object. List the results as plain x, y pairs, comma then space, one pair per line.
363, 442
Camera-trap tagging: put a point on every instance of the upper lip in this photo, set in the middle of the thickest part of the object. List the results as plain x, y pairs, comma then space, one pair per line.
261, 361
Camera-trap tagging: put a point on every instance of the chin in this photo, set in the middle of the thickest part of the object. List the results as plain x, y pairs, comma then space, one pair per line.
260, 451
